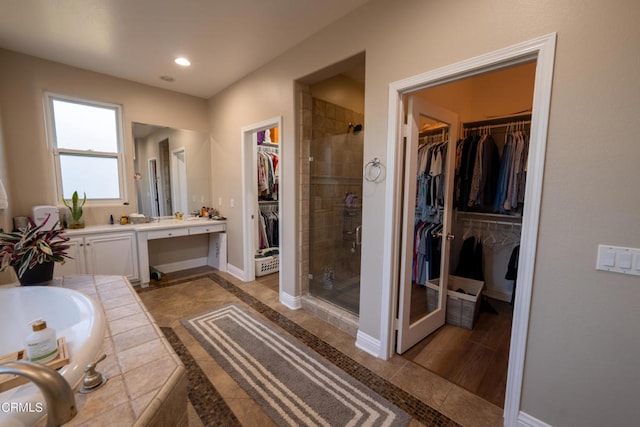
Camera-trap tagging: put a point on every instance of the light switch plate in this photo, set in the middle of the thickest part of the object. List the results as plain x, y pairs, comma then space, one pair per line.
618, 259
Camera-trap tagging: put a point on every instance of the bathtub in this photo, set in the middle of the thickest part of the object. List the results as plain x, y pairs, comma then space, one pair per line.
73, 315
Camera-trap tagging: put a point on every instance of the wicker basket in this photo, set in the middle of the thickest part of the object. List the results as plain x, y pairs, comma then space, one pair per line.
267, 265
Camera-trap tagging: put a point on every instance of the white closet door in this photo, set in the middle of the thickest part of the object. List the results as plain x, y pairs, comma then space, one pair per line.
412, 329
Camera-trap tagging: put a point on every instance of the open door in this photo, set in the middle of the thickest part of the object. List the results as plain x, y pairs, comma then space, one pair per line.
426, 212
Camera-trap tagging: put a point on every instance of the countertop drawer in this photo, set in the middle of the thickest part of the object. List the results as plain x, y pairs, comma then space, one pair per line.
170, 232
203, 229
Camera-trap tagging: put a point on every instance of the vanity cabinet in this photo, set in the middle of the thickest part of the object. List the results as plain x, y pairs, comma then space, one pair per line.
170, 228
106, 253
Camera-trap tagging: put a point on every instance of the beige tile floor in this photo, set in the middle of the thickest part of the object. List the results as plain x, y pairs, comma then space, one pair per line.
170, 304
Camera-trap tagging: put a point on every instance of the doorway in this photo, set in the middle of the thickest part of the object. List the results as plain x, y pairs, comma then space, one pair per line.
154, 187
164, 193
331, 175
179, 181
541, 51
261, 152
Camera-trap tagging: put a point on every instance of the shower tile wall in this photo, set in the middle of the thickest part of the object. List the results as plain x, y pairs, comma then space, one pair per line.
336, 169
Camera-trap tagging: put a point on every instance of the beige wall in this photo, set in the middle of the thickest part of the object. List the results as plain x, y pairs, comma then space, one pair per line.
581, 362
23, 80
342, 91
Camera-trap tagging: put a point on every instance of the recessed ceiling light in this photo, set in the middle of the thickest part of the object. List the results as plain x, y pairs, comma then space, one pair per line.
167, 78
182, 61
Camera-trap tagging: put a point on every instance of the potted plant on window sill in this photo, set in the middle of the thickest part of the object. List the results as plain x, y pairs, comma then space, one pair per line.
33, 251
75, 209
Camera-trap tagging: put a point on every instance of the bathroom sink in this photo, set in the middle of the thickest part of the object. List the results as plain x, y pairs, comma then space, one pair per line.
73, 315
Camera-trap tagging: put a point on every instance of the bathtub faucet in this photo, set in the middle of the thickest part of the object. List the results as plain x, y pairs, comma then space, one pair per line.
61, 405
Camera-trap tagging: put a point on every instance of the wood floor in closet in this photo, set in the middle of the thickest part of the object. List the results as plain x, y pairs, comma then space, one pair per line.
477, 359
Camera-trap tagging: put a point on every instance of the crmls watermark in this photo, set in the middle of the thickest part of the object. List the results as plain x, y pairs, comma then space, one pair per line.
32, 407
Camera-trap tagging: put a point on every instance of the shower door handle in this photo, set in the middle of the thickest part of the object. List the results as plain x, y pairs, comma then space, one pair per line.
359, 235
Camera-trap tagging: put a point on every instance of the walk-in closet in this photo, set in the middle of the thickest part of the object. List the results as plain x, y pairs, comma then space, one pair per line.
268, 185
467, 170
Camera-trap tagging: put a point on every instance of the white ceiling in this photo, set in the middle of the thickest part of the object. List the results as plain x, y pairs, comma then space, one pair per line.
138, 39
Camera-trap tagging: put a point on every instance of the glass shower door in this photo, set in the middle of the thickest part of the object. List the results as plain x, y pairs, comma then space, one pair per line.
335, 219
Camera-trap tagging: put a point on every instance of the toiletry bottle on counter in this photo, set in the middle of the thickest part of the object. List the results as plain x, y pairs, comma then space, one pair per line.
41, 345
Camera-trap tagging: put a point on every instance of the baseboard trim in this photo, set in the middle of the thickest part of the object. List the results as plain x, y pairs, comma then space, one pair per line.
236, 272
526, 420
498, 294
290, 301
371, 345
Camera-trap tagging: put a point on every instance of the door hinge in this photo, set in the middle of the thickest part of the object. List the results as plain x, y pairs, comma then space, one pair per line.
396, 324
405, 130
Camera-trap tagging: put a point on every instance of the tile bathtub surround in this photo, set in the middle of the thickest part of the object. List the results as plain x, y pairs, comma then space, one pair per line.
147, 383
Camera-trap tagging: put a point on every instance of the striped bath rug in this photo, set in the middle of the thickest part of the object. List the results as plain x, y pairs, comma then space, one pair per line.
293, 385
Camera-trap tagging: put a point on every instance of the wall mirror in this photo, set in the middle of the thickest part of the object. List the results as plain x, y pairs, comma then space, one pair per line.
171, 169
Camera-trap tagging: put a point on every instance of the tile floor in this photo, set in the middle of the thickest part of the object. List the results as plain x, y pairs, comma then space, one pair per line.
434, 400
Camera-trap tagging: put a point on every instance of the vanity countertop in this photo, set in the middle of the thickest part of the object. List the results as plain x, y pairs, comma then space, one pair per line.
148, 226
176, 223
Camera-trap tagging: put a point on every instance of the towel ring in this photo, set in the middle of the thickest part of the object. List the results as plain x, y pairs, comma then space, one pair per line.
372, 170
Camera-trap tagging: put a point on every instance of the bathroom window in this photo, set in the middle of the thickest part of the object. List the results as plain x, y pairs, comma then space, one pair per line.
86, 141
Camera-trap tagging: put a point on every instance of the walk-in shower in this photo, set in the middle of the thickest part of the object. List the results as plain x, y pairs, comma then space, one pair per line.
335, 207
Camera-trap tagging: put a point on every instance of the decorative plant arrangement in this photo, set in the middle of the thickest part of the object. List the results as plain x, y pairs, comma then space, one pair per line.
76, 210
31, 249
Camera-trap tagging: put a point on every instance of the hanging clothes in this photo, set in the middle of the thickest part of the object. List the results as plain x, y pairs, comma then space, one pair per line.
430, 181
426, 252
477, 168
268, 236
513, 173
429, 204
512, 270
470, 260
267, 175
486, 181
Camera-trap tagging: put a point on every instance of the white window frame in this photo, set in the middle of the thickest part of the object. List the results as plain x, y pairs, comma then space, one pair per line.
52, 146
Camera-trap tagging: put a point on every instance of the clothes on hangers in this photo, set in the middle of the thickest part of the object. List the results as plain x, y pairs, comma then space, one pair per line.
267, 175
268, 228
512, 270
477, 167
486, 181
470, 260
430, 181
513, 172
426, 252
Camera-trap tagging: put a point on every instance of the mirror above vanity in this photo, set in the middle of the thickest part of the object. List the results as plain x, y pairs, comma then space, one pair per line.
171, 169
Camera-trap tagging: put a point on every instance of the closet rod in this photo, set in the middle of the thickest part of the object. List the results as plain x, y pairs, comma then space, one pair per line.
480, 127
267, 149
490, 221
497, 121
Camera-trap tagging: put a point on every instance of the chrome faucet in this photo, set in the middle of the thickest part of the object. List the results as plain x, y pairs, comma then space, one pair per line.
61, 405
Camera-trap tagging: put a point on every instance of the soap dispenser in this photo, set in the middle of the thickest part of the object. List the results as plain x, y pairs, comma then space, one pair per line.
41, 344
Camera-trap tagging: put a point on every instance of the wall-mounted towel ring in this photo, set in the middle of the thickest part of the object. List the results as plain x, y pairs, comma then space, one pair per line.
373, 170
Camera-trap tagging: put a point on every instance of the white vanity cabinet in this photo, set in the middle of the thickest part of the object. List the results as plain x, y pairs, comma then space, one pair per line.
170, 228
112, 253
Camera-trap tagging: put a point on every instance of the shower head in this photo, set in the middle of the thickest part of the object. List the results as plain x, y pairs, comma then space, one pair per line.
356, 129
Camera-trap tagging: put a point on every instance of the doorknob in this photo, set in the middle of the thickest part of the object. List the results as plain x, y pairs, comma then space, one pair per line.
449, 236
359, 235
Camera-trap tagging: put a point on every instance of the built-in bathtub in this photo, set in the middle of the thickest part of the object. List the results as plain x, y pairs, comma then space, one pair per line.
74, 316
